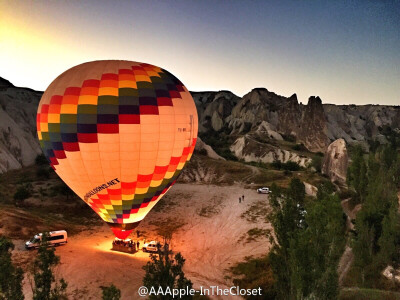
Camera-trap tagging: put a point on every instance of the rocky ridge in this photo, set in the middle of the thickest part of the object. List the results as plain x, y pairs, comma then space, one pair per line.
19, 145
258, 124
315, 125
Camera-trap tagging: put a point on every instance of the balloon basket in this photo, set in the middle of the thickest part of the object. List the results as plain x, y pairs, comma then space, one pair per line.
125, 246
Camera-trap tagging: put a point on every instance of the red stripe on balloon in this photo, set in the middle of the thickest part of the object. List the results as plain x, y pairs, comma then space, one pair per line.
109, 76
129, 119
71, 147
60, 154
87, 138
107, 128
164, 101
148, 110
56, 99
72, 91
91, 83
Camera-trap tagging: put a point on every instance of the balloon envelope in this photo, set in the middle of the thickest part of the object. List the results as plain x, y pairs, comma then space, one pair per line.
118, 133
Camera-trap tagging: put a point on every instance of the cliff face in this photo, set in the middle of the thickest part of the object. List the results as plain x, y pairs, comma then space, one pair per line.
336, 161
18, 142
213, 108
307, 123
260, 115
315, 125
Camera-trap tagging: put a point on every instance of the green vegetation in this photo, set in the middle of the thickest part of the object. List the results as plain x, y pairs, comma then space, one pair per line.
367, 294
357, 174
376, 241
257, 210
163, 271
167, 227
254, 273
307, 243
51, 202
255, 233
220, 142
212, 208
11, 277
299, 147
208, 211
41, 160
289, 138
110, 292
46, 287
165, 203
22, 193
43, 173
288, 166
316, 163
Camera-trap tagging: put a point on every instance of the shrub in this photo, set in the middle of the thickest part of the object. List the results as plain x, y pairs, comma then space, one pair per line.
299, 147
317, 163
22, 193
202, 152
43, 173
289, 137
291, 166
288, 166
41, 160
111, 292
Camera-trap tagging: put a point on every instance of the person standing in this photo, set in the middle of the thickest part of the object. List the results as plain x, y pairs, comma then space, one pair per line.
240, 199
243, 197
137, 245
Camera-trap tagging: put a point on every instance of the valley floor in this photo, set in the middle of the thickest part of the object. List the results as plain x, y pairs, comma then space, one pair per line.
215, 234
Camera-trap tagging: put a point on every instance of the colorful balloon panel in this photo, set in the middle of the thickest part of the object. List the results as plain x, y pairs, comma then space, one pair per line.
118, 133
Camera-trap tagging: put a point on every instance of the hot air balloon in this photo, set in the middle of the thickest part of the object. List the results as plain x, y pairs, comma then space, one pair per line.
118, 133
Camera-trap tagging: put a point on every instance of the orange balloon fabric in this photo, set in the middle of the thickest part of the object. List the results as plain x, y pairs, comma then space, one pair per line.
118, 133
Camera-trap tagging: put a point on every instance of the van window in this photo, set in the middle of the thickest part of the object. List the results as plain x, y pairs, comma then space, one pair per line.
56, 237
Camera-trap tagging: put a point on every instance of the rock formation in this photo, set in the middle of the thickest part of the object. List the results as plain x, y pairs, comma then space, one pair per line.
18, 142
336, 161
259, 123
249, 150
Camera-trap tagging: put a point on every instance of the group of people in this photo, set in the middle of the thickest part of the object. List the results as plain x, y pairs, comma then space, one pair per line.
127, 243
241, 199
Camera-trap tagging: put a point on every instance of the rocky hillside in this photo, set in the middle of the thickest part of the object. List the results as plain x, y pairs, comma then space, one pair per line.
261, 126
18, 140
315, 125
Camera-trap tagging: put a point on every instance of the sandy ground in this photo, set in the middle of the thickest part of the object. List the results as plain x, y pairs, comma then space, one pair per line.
210, 243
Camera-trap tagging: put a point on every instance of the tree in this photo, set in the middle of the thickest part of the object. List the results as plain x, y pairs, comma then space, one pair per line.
317, 163
286, 218
254, 273
322, 242
43, 173
21, 194
376, 242
308, 242
165, 272
10, 277
46, 287
41, 160
111, 292
357, 174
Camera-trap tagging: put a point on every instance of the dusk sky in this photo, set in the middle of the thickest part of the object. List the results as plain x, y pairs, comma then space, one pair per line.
343, 51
